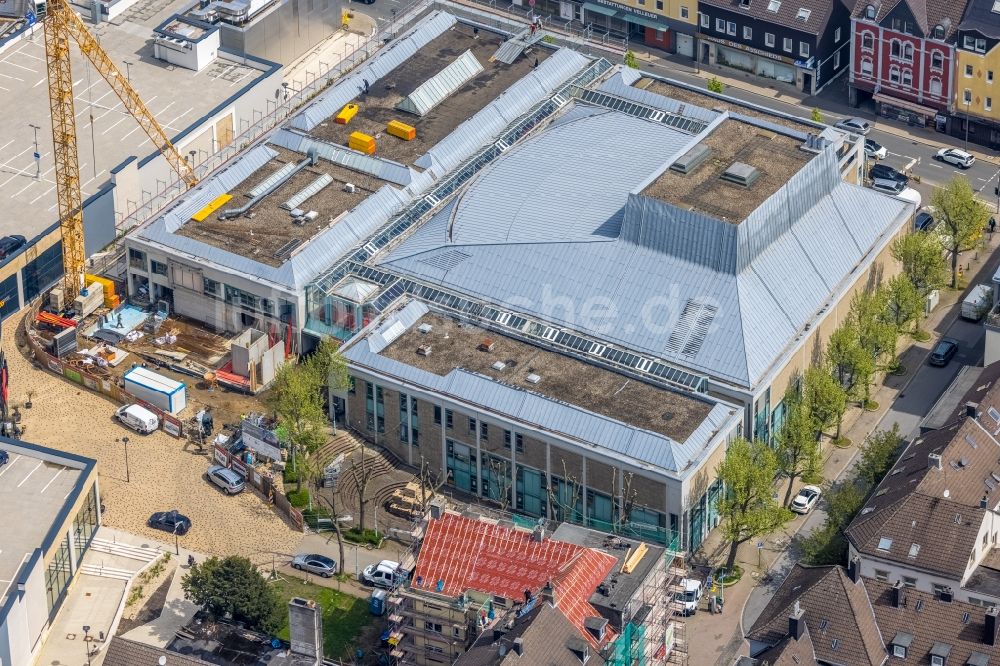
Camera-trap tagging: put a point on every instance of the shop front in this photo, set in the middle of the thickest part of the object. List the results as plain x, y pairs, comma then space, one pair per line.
911, 113
759, 63
630, 23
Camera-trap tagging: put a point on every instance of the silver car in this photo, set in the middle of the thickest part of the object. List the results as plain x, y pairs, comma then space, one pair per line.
227, 479
320, 565
855, 125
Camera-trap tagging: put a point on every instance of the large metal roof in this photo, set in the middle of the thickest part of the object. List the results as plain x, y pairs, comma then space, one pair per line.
555, 229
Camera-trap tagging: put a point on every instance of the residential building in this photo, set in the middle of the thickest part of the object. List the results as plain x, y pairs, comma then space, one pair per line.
804, 43
539, 432
904, 58
56, 501
932, 523
977, 65
486, 593
847, 618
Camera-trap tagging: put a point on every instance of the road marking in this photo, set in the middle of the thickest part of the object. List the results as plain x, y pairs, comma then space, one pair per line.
28, 476
909, 165
8, 62
112, 126
40, 82
53, 479
9, 465
936, 166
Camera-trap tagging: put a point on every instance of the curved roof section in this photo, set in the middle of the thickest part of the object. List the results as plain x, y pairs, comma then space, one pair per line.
716, 298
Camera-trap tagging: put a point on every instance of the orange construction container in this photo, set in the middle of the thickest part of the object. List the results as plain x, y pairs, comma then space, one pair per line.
113, 302
346, 114
362, 143
401, 130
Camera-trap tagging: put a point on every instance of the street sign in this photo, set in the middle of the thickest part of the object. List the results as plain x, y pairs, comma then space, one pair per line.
32, 19
760, 545
37, 156
531, 3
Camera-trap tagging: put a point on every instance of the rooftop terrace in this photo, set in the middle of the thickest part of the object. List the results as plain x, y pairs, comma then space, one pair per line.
561, 377
773, 159
270, 235
378, 107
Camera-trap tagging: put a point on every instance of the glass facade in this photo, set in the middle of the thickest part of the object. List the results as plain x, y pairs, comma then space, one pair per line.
57, 576
600, 511
567, 503
85, 524
531, 497
42, 271
496, 479
462, 467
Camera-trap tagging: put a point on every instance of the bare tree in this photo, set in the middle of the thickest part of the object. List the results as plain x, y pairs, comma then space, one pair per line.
335, 518
361, 473
627, 495
430, 483
565, 502
499, 472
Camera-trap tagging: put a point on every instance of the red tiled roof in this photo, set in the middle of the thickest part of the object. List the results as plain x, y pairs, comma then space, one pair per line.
461, 554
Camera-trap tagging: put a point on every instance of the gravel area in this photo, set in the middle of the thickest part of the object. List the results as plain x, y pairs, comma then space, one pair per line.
165, 473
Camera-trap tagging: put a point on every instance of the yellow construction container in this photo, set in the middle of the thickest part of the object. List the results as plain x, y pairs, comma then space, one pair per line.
213, 205
362, 143
401, 130
346, 114
110, 300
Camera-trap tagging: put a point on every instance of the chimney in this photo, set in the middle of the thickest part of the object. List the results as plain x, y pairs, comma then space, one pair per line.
934, 460
985, 502
519, 646
854, 570
797, 622
305, 628
972, 410
898, 595
946, 595
990, 628
548, 593
538, 534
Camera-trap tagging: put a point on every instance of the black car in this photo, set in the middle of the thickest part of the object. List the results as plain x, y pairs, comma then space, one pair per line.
944, 351
887, 172
924, 221
4, 458
170, 521
10, 244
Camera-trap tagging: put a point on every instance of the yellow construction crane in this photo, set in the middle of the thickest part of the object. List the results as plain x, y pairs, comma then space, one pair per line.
62, 24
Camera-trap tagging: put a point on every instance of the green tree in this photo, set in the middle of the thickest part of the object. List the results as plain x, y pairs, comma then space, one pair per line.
748, 508
330, 366
922, 258
825, 398
297, 400
715, 85
797, 448
817, 115
905, 303
852, 365
234, 586
877, 454
828, 544
962, 219
631, 60
877, 334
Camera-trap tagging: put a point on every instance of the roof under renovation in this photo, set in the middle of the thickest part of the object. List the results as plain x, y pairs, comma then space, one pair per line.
564, 224
459, 554
564, 396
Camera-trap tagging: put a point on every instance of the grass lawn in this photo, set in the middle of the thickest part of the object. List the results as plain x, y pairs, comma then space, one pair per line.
343, 615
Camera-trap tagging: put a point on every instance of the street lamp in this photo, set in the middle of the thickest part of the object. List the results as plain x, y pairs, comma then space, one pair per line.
128, 71
86, 641
38, 155
124, 440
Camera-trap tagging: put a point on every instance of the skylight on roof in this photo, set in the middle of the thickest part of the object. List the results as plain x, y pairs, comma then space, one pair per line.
774, 6
996, 7
914, 549
885, 543
803, 14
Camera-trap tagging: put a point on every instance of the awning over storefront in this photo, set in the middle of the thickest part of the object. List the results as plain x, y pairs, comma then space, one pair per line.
600, 9
648, 22
903, 104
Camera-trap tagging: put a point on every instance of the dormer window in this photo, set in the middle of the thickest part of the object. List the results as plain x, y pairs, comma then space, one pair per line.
939, 31
901, 644
774, 6
870, 12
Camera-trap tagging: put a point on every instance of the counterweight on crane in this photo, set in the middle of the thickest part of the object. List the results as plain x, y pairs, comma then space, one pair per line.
61, 25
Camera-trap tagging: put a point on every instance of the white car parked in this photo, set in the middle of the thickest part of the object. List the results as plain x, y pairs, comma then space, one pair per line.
959, 158
806, 499
874, 150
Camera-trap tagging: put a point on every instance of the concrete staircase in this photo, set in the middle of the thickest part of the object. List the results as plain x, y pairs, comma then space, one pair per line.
342, 443
144, 555
106, 572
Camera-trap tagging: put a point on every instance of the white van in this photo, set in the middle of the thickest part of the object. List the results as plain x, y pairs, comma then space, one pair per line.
690, 595
978, 302
138, 418
384, 574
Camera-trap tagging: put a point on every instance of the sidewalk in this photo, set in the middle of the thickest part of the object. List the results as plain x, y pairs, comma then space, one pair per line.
723, 634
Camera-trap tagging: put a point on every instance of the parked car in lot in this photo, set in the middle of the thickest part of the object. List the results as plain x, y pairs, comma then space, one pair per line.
897, 189
383, 574
856, 125
959, 158
924, 221
320, 565
689, 596
230, 482
4, 458
138, 418
886, 172
944, 351
11, 244
170, 521
806, 499
874, 150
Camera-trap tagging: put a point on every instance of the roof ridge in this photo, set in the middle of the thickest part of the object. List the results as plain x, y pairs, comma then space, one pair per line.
849, 587
784, 610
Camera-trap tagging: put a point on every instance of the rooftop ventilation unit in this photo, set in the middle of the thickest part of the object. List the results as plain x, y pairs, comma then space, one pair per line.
499, 365
424, 350
532, 378
741, 174
425, 328
692, 159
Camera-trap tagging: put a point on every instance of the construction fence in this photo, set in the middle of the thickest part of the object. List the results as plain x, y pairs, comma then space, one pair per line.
262, 483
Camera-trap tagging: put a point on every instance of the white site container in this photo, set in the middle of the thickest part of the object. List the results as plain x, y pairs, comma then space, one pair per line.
167, 394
